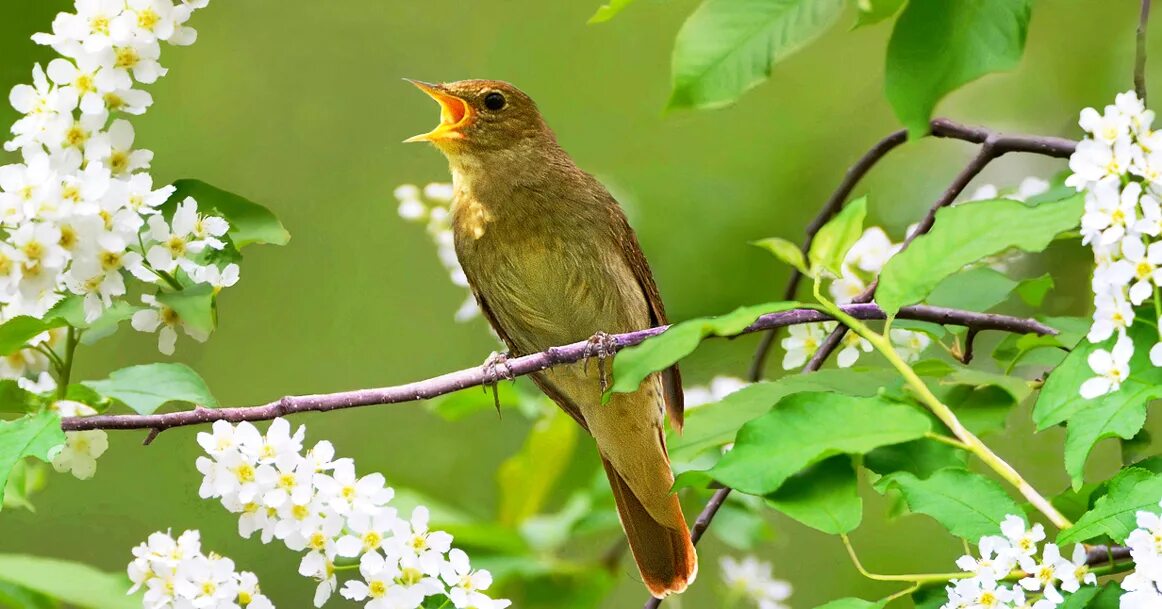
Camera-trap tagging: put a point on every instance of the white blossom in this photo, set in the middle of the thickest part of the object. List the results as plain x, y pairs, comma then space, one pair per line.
751, 578
175, 573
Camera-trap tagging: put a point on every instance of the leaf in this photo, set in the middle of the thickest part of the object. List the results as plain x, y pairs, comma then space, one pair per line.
73, 583
805, 428
965, 234
938, 46
967, 504
852, 603
527, 477
34, 435
1132, 490
608, 11
249, 221
16, 597
1017, 388
195, 306
784, 250
740, 528
830, 245
871, 12
713, 425
823, 497
26, 478
631, 366
1033, 291
16, 332
976, 289
146, 388
726, 47
13, 398
921, 458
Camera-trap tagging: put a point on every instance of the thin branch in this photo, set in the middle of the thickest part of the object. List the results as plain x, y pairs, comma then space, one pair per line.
993, 144
1140, 52
520, 366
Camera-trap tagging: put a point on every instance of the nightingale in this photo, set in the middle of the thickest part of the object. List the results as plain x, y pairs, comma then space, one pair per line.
552, 260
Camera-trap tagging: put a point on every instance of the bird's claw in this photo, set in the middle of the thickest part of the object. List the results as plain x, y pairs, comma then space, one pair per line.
601, 346
496, 368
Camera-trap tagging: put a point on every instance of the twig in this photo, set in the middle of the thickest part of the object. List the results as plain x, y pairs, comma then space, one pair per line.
969, 339
520, 366
1140, 52
993, 144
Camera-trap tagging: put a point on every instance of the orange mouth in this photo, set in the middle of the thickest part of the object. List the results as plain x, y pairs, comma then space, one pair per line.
455, 114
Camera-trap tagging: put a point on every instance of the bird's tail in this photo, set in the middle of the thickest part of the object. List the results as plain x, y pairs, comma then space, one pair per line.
665, 556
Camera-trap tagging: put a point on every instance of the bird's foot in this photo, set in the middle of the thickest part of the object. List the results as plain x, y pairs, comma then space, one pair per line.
601, 346
496, 368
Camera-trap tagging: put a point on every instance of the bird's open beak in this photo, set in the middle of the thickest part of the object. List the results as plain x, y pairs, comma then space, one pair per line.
455, 113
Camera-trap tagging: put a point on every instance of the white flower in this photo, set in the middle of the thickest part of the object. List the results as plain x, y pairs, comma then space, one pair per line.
160, 316
1045, 576
852, 344
1109, 210
1113, 314
908, 344
872, 250
1022, 538
719, 388
176, 574
1112, 368
751, 578
1094, 161
79, 454
379, 585
802, 341
996, 560
1141, 266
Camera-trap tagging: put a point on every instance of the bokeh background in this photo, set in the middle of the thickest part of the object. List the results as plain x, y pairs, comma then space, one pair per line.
301, 106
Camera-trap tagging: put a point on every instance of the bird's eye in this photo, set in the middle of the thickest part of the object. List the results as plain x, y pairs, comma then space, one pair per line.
494, 101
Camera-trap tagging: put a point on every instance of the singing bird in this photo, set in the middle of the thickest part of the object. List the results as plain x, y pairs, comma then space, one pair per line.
552, 260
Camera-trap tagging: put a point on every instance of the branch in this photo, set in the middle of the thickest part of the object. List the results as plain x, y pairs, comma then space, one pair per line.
993, 145
520, 366
1140, 53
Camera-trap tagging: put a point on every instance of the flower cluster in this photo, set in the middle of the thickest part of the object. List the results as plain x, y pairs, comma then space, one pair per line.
78, 455
863, 262
1119, 167
1015, 551
80, 214
431, 206
1144, 586
315, 503
175, 573
751, 579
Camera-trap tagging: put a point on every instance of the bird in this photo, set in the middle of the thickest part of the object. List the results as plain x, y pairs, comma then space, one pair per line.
551, 259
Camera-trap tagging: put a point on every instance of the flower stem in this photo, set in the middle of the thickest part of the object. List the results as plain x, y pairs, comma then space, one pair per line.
953, 442
916, 578
66, 365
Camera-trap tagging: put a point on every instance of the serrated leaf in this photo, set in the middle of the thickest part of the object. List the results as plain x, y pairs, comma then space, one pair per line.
967, 504
802, 429
249, 221
146, 388
34, 435
726, 47
823, 497
784, 250
608, 11
830, 245
938, 46
194, 305
74, 583
526, 478
1131, 491
631, 366
965, 234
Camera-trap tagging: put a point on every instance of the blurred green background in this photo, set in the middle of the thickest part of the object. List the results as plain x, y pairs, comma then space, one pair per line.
300, 106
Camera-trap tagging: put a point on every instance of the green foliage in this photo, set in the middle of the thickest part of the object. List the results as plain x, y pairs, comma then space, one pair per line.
920, 458
938, 46
784, 250
26, 478
16, 332
147, 387
249, 221
16, 597
527, 477
13, 398
870, 12
1113, 515
830, 245
982, 288
806, 428
726, 47
33, 435
823, 497
609, 10
965, 234
633, 365
195, 305
70, 311
967, 504
73, 583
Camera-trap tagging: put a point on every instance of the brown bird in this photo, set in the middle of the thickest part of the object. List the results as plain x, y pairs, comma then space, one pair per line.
552, 260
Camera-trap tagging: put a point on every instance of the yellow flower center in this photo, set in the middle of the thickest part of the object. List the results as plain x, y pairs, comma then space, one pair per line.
170, 317
300, 512
372, 540
244, 472
68, 237
76, 136
99, 24
318, 541
410, 576
114, 102
84, 84
119, 161
125, 57
34, 250
1144, 269
110, 261
147, 19
376, 588
244, 598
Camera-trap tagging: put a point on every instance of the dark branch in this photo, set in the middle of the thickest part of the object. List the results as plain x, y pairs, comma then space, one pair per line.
520, 366
1140, 54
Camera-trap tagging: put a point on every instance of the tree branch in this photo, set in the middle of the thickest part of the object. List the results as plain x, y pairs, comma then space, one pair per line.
1140, 52
520, 366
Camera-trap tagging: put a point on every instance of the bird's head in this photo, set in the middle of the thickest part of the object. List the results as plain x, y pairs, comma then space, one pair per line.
480, 116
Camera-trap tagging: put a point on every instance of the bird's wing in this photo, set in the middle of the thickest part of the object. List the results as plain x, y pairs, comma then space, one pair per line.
671, 378
540, 378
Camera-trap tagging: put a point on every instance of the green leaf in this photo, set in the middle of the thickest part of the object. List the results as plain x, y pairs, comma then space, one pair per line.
871, 12
727, 47
1017, 388
830, 245
739, 527
930, 598
73, 583
804, 428
146, 388
16, 597
34, 435
16, 332
976, 289
965, 234
27, 478
1072, 504
608, 11
15, 399
967, 504
1033, 291
852, 603
939, 45
921, 458
527, 477
1131, 491
631, 366
195, 305
784, 250
716, 424
823, 497
249, 221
